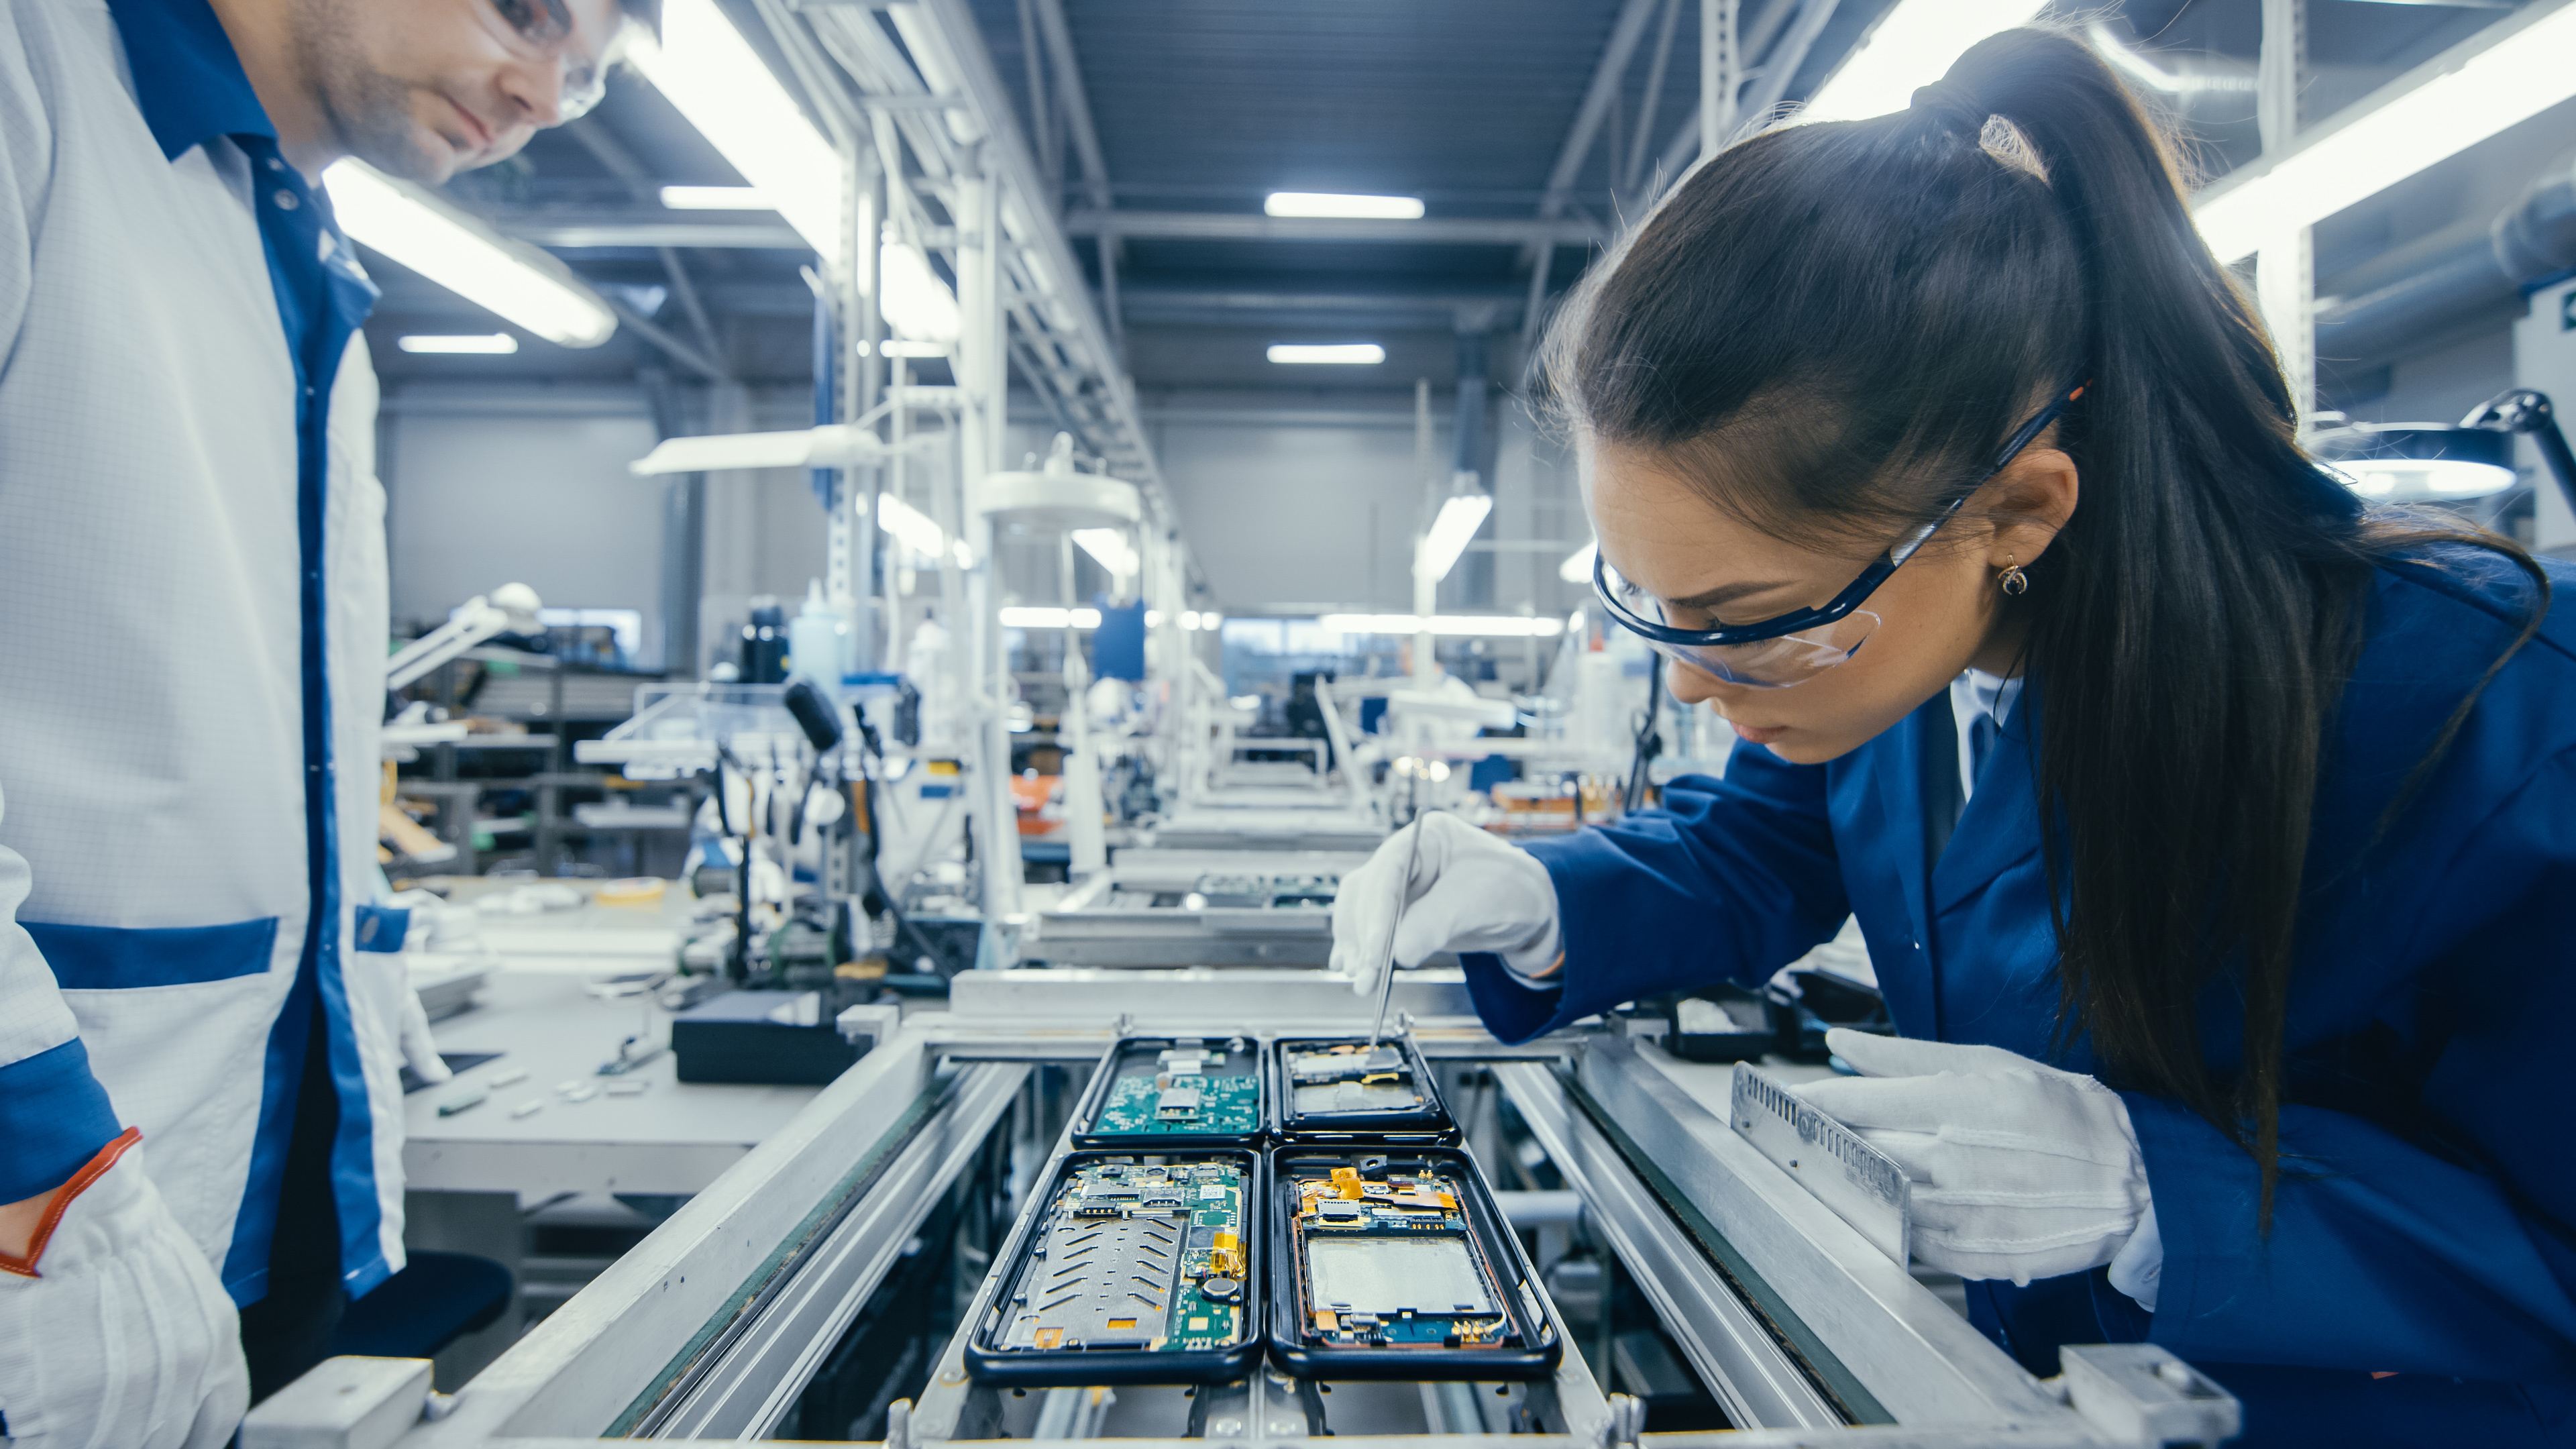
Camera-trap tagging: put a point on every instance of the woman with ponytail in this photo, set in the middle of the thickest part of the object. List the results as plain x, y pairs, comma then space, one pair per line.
2214, 837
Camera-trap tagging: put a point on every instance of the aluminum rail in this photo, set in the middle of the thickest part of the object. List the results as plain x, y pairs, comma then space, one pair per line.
1749, 1373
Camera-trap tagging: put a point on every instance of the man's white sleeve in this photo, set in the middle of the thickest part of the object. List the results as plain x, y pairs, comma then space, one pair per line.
54, 1116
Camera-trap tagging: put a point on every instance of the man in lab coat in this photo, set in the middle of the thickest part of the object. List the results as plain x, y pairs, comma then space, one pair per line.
198, 1084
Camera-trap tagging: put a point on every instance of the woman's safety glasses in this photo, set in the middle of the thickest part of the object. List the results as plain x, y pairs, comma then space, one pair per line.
1795, 647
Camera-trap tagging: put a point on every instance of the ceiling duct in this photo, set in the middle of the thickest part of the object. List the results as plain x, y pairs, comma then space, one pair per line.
2533, 240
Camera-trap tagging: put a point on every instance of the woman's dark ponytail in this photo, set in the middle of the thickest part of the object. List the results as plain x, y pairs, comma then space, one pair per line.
1867, 308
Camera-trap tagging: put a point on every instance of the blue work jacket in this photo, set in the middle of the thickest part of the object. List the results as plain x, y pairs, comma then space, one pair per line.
2418, 1284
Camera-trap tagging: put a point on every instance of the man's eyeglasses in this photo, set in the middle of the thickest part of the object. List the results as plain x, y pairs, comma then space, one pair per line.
543, 30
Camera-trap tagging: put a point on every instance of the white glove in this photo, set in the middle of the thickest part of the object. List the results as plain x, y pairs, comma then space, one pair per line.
124, 1339
419, 1048
1468, 892
2020, 1170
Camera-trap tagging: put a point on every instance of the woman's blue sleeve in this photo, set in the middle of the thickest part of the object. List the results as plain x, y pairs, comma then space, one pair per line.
1731, 880
2443, 1244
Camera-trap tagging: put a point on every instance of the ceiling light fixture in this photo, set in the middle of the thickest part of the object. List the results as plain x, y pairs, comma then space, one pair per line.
480, 344
1577, 568
917, 531
1108, 548
898, 347
1912, 45
917, 304
704, 67
1461, 514
425, 232
1344, 205
2506, 74
715, 198
1455, 626
1037, 617
1327, 354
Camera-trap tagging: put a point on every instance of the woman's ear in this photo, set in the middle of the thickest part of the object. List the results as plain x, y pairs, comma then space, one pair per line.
2028, 503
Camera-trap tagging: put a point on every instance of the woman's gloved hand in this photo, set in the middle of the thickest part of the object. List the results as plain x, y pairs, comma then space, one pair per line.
117, 1335
2020, 1170
1468, 892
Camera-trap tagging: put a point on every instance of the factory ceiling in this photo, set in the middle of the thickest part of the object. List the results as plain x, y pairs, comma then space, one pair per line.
1529, 129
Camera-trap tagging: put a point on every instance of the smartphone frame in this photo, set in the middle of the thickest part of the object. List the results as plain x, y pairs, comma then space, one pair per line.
1540, 1347
1026, 1368
1427, 1126
1086, 1117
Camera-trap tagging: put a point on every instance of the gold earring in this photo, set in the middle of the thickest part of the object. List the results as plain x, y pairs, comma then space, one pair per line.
2014, 582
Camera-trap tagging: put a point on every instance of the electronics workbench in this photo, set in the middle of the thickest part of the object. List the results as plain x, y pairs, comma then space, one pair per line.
1195, 1206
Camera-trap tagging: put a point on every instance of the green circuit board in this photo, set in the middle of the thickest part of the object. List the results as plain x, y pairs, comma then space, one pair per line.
1210, 1089
1137, 1254
1385, 1259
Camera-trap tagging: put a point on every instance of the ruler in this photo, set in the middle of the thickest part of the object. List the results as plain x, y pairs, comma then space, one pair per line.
1862, 1185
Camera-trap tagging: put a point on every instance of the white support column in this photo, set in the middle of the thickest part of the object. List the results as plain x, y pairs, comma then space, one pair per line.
1719, 69
983, 375
2285, 267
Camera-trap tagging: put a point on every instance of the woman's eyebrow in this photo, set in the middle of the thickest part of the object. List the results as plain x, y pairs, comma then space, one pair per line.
1727, 594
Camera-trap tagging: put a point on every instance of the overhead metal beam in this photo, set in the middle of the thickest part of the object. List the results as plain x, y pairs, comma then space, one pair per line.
1074, 102
1088, 339
1770, 80
1237, 226
1652, 101
593, 136
1598, 98
1782, 65
1720, 68
1142, 299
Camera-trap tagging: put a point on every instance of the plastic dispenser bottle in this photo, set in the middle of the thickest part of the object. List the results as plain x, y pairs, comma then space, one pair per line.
816, 640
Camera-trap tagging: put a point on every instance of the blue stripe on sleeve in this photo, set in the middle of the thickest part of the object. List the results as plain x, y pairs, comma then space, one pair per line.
54, 1116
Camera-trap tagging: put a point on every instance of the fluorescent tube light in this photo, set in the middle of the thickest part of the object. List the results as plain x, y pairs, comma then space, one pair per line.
1210, 620
834, 445
422, 230
1911, 45
2508, 78
1033, 617
1341, 204
485, 344
898, 347
917, 304
910, 526
1577, 568
1461, 514
916, 530
1331, 354
1109, 548
704, 67
2416, 479
1469, 626
715, 198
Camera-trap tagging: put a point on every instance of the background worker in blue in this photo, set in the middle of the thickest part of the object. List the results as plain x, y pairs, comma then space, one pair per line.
2238, 994
192, 637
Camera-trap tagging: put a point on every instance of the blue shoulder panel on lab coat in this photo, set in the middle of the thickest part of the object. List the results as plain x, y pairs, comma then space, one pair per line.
2425, 1223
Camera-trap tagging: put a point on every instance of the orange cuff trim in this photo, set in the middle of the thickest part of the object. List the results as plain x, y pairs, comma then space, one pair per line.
91, 1171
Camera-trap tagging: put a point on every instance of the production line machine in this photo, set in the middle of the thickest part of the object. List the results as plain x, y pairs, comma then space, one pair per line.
1159, 907
874, 1271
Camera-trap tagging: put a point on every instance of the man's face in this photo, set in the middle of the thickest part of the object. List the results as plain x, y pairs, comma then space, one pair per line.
427, 88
